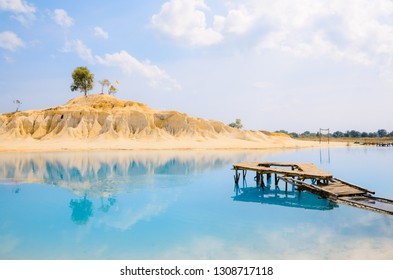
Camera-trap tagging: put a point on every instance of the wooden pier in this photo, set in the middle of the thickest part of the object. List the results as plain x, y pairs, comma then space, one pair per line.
378, 144
320, 183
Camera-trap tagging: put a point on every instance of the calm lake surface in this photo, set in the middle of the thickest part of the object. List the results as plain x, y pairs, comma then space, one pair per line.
184, 205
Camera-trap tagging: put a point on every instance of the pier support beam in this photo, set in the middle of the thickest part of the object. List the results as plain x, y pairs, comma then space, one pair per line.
236, 177
268, 179
262, 181
259, 179
276, 179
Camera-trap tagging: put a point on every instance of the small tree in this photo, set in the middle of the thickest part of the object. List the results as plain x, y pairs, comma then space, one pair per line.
382, 133
237, 124
112, 90
83, 80
104, 83
18, 103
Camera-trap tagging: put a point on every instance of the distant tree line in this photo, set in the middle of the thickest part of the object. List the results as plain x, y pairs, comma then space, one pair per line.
380, 133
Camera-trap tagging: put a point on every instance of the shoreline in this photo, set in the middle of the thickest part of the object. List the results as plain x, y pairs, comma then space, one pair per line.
31, 145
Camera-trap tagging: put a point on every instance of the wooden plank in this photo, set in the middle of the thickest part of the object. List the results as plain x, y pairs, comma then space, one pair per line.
309, 187
334, 186
304, 170
335, 189
339, 191
309, 173
342, 189
355, 186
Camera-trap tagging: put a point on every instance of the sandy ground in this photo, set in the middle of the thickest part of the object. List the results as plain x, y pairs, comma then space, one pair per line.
273, 142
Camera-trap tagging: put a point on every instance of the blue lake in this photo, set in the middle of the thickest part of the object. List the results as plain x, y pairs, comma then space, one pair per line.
184, 205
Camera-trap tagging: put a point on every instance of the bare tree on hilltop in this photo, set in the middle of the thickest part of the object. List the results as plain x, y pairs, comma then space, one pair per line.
104, 83
111, 88
18, 103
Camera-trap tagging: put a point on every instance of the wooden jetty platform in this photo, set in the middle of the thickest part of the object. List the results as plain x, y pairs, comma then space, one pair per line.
320, 183
379, 142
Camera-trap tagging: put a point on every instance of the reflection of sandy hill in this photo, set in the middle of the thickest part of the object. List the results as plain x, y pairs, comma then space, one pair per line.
106, 173
93, 122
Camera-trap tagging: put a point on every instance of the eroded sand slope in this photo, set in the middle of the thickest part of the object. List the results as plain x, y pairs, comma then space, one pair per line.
105, 122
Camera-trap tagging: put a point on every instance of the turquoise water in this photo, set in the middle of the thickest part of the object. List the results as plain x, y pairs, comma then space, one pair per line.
184, 205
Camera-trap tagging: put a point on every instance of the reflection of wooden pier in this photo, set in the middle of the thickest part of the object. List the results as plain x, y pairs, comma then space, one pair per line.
321, 183
277, 196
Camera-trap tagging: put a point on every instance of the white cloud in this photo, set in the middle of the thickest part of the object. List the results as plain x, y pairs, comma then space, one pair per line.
219, 23
186, 21
10, 41
134, 213
157, 77
24, 19
81, 49
17, 6
61, 17
23, 12
238, 20
358, 31
101, 33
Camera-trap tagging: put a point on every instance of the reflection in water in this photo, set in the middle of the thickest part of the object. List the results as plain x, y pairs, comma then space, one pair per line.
104, 174
96, 178
168, 205
324, 155
277, 196
82, 210
105, 206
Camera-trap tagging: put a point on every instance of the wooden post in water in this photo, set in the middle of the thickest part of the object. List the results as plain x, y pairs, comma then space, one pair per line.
244, 174
236, 177
262, 181
259, 179
268, 178
276, 179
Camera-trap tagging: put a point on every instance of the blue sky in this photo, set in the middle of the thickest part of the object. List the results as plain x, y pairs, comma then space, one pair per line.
293, 65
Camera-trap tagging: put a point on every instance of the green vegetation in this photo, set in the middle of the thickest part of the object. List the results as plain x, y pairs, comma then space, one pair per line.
83, 80
350, 134
237, 124
112, 90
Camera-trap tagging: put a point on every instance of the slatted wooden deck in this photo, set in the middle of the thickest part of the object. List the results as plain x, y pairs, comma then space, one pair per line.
303, 170
340, 189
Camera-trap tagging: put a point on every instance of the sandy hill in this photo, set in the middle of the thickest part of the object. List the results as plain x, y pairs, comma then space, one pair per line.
95, 121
